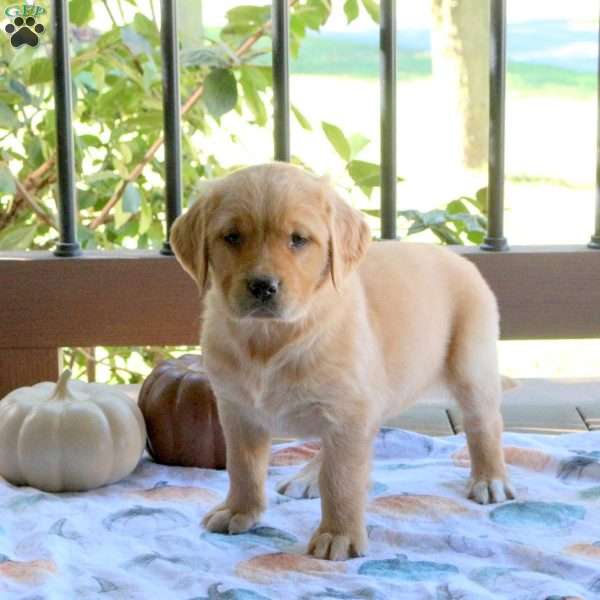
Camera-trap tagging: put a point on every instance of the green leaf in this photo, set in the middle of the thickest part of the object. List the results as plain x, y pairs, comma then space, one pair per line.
301, 119
251, 16
476, 237
86, 237
85, 79
7, 181
469, 221
86, 198
366, 175
121, 217
132, 199
151, 74
434, 217
22, 58
252, 98
8, 119
314, 13
481, 200
156, 234
145, 217
233, 34
99, 74
125, 152
220, 92
137, 43
17, 237
203, 57
146, 27
80, 11
416, 227
338, 140
357, 143
102, 176
19, 88
40, 71
351, 10
261, 76
456, 206
410, 215
446, 235
372, 8
109, 38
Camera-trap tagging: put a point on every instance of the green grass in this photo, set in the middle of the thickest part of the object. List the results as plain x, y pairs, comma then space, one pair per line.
553, 81
544, 180
350, 56
334, 56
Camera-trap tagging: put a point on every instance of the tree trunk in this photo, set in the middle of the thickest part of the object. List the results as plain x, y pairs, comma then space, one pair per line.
460, 56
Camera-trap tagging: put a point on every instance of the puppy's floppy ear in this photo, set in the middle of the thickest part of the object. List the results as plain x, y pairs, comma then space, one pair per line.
349, 238
189, 243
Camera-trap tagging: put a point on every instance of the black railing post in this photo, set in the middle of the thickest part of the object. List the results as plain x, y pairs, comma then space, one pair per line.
281, 78
387, 46
495, 239
65, 150
595, 241
171, 115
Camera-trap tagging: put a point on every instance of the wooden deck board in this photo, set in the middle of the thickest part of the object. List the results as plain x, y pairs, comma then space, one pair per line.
590, 412
543, 406
425, 418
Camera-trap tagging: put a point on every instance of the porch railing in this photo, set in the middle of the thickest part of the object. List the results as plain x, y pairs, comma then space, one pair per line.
71, 297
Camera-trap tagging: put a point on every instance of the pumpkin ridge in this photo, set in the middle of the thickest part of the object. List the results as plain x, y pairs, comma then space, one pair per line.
61, 450
21, 420
171, 384
177, 447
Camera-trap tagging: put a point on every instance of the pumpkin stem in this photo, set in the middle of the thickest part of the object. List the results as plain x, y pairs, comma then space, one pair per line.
61, 389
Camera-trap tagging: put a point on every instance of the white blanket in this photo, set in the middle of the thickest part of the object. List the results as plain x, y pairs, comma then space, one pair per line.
142, 539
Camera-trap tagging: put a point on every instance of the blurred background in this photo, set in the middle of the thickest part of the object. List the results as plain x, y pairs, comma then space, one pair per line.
442, 129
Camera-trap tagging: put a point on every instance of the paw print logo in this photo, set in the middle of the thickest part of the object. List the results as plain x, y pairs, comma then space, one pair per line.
24, 31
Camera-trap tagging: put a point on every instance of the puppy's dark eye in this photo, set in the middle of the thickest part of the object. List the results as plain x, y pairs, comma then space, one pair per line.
233, 239
297, 241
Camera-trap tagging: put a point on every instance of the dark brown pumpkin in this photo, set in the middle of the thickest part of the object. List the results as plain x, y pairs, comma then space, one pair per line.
181, 416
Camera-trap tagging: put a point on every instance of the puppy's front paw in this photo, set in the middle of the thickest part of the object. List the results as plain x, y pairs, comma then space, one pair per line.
490, 491
222, 519
338, 546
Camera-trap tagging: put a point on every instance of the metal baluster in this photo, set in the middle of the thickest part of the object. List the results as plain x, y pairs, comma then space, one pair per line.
171, 115
387, 45
595, 241
65, 151
281, 79
495, 239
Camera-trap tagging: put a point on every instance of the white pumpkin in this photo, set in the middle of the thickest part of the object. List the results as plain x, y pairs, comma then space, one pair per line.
69, 436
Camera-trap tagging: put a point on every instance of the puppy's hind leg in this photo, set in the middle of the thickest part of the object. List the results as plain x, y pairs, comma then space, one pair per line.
475, 381
305, 483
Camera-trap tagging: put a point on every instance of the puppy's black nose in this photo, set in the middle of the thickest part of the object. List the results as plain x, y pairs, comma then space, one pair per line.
263, 288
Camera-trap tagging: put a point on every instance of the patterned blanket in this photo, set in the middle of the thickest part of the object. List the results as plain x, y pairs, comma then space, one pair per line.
141, 539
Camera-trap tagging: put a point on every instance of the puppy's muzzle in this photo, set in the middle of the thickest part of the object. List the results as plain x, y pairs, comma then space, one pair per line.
264, 289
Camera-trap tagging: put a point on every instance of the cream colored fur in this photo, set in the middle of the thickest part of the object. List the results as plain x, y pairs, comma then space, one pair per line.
359, 332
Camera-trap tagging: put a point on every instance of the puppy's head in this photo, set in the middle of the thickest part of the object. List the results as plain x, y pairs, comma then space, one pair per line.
270, 237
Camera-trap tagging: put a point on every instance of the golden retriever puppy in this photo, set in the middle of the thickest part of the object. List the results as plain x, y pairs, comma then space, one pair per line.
310, 330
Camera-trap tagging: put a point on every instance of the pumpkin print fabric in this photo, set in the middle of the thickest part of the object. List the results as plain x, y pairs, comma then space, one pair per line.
141, 538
